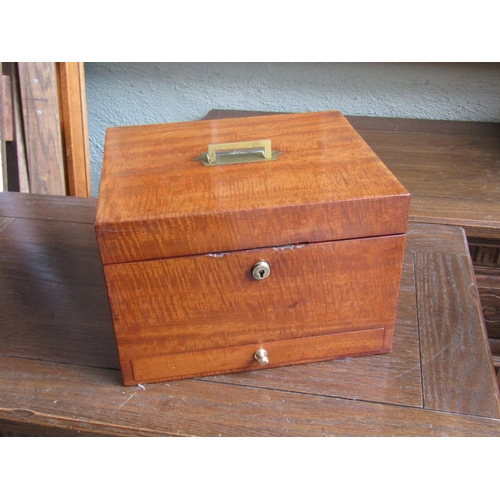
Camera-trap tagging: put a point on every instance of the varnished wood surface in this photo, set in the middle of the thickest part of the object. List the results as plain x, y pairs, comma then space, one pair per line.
3, 150
240, 358
420, 158
70, 399
53, 294
450, 340
6, 122
213, 302
54, 208
157, 201
394, 378
59, 376
16, 150
42, 127
478, 217
5, 222
72, 98
452, 169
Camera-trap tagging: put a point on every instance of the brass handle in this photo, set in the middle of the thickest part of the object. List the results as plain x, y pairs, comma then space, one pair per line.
238, 148
238, 152
261, 357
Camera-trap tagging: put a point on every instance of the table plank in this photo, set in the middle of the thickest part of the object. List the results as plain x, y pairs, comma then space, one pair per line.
58, 208
418, 125
38, 84
54, 303
455, 357
92, 400
5, 222
479, 218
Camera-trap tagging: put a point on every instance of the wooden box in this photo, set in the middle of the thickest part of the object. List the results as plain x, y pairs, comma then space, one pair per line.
250, 262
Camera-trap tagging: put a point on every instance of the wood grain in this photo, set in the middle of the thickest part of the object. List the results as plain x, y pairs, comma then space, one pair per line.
452, 169
92, 400
425, 127
437, 238
5, 222
16, 149
454, 362
480, 218
3, 150
6, 104
156, 201
464, 164
241, 358
207, 302
395, 377
40, 106
54, 303
489, 294
56, 208
74, 124
389, 125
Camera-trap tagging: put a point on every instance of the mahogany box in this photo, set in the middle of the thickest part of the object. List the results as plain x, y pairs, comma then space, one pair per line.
248, 243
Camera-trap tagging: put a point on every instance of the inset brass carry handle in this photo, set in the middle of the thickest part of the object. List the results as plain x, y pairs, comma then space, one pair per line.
238, 152
237, 147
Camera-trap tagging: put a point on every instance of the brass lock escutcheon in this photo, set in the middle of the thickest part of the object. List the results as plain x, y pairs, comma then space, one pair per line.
261, 270
230, 153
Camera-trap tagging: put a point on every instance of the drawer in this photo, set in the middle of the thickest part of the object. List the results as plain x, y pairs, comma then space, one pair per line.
242, 358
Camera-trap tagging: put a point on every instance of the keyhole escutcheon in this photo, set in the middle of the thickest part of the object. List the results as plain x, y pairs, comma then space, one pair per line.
261, 270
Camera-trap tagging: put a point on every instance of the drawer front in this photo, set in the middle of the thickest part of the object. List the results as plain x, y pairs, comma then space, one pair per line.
190, 304
242, 358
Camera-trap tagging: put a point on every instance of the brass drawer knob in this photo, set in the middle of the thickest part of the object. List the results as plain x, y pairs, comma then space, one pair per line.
261, 357
261, 270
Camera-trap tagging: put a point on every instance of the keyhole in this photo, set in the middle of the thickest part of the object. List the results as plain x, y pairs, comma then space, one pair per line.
261, 270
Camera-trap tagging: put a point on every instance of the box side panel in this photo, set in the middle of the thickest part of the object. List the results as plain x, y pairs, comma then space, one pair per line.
189, 304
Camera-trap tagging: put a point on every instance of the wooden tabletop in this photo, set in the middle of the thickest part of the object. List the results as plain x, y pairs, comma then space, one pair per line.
59, 370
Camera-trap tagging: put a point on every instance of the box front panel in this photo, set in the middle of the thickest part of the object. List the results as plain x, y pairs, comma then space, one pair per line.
194, 304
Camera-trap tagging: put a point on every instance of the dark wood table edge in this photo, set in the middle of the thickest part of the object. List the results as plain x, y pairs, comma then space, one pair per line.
402, 422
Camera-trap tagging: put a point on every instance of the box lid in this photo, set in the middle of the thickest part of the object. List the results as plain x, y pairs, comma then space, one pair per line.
157, 200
